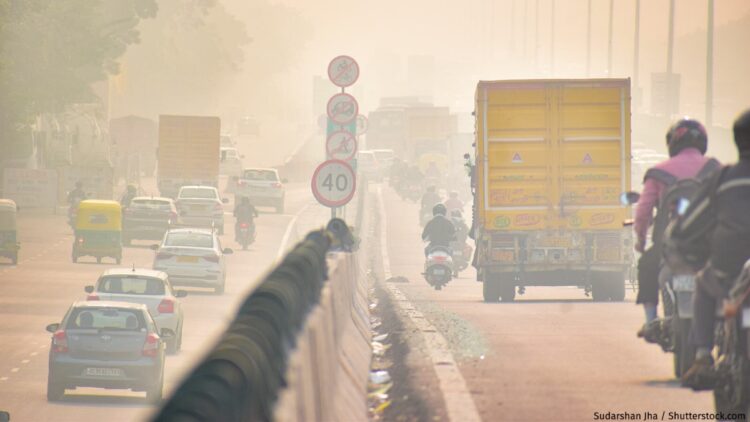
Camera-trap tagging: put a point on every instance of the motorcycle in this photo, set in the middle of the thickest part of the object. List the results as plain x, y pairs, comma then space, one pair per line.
438, 267
461, 256
245, 234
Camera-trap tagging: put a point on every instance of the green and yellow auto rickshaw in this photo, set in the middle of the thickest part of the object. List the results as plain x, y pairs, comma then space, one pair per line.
98, 230
8, 237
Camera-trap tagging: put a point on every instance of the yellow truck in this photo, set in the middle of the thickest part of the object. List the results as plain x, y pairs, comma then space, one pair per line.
188, 152
552, 158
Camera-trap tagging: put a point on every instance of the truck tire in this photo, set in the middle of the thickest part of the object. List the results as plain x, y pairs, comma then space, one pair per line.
599, 291
617, 287
608, 286
507, 291
490, 290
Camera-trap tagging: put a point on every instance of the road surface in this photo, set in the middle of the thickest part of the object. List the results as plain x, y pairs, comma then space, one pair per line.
551, 355
41, 287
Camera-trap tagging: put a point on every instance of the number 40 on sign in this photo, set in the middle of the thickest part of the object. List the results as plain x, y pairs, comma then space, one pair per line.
334, 183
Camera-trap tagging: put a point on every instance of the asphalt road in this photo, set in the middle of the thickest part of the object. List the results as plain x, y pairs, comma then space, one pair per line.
40, 288
551, 355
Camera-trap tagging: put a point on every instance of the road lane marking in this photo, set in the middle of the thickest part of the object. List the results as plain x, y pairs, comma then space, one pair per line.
288, 233
34, 353
458, 401
3, 378
15, 370
25, 361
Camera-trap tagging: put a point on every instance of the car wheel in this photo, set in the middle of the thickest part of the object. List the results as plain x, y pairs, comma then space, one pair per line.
175, 344
221, 230
55, 390
220, 288
154, 391
98, 259
14, 259
280, 207
74, 258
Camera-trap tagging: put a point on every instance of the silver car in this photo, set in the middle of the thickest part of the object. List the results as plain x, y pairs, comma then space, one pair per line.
147, 287
262, 186
192, 257
201, 206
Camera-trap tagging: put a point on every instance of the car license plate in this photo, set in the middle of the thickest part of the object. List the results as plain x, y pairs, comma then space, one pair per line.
746, 318
503, 255
439, 271
104, 372
190, 259
196, 207
683, 283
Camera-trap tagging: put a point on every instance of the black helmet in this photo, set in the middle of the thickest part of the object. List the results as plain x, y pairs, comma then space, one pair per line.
439, 209
686, 133
742, 134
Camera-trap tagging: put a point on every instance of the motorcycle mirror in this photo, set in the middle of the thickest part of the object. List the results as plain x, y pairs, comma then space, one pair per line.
88, 289
682, 206
629, 198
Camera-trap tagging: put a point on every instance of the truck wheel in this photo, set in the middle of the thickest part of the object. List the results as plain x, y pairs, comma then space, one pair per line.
617, 287
599, 291
507, 291
280, 207
490, 290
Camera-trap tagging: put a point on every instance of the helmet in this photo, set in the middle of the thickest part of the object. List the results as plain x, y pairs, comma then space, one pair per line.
742, 133
439, 209
686, 133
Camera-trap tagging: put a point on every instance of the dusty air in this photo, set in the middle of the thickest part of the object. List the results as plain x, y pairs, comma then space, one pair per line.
342, 211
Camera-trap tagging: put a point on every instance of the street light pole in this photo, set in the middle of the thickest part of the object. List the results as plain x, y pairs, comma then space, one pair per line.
710, 66
609, 45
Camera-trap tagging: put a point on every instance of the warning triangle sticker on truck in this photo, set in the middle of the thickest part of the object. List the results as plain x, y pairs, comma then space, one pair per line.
587, 159
517, 158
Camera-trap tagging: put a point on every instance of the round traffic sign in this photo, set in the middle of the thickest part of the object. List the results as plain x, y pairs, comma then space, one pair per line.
341, 145
334, 183
342, 109
343, 71
361, 124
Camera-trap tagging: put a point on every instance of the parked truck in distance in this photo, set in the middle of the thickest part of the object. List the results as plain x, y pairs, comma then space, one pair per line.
552, 157
188, 152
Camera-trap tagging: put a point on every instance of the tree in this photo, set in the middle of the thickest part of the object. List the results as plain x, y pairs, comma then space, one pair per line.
52, 51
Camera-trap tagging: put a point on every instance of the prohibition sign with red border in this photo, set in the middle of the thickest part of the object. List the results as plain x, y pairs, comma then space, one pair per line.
337, 142
342, 108
343, 181
343, 71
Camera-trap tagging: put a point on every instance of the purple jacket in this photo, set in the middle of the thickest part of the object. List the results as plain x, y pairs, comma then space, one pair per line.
684, 165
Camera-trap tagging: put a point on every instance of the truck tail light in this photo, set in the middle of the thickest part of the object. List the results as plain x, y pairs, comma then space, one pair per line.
166, 306
151, 345
60, 342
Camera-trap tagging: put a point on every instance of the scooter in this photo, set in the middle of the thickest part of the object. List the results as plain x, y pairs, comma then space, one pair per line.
246, 234
438, 268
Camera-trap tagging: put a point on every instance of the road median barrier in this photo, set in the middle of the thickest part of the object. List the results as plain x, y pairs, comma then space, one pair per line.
298, 348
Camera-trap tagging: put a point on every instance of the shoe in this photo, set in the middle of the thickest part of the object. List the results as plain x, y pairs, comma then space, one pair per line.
651, 331
701, 376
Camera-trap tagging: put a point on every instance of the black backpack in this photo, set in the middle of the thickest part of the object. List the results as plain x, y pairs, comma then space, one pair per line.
675, 189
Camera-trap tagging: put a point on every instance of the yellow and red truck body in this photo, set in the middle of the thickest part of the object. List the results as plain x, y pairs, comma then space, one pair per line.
552, 158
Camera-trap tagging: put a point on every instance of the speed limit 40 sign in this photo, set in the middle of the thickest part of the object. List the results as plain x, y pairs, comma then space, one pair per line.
334, 183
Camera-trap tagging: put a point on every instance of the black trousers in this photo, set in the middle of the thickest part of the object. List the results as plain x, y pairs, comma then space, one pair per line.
648, 276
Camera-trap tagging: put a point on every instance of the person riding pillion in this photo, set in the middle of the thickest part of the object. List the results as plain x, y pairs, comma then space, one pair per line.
439, 231
687, 143
76, 195
128, 196
713, 237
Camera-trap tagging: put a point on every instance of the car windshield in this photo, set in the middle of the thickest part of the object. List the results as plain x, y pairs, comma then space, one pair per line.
107, 319
262, 175
131, 285
189, 239
151, 204
198, 193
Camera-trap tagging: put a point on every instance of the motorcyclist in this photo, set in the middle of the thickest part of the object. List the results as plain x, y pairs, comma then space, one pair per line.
244, 212
127, 197
430, 198
462, 230
453, 203
439, 231
76, 195
714, 234
687, 142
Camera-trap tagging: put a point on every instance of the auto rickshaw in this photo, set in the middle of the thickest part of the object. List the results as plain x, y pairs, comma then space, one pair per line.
98, 230
8, 242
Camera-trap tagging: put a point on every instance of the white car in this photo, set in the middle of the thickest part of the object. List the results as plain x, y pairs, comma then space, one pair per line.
384, 157
230, 162
147, 287
193, 257
201, 206
262, 186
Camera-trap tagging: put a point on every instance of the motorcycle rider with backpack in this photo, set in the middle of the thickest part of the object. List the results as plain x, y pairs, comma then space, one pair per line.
687, 143
714, 235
